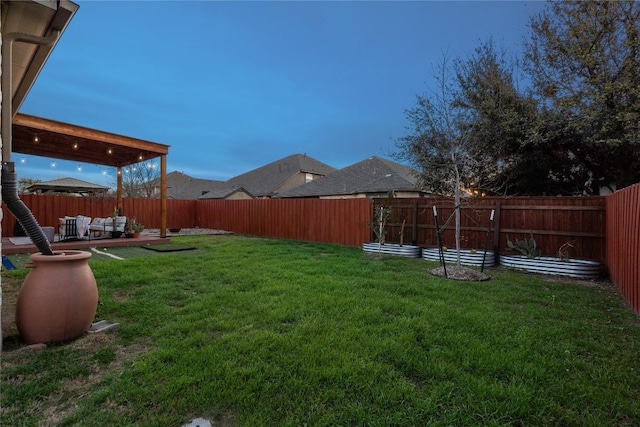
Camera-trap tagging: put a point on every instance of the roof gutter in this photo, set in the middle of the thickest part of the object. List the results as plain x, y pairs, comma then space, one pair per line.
7, 64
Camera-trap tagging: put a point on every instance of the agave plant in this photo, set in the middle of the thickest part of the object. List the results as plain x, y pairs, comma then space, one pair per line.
526, 247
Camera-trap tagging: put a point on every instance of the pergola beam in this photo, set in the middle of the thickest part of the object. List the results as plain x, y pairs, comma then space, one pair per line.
48, 138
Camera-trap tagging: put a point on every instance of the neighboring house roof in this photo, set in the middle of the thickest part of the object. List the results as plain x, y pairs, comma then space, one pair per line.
224, 192
175, 179
192, 189
68, 185
373, 175
266, 181
182, 186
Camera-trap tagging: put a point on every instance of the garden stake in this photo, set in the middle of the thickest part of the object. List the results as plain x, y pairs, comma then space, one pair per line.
486, 241
435, 218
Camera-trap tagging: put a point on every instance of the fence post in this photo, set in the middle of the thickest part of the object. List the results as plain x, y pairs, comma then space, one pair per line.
414, 231
496, 233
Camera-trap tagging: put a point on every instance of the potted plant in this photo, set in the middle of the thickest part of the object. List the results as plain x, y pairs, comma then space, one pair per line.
134, 228
530, 259
381, 216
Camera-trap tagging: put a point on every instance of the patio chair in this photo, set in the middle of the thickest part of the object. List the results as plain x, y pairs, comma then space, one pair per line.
74, 228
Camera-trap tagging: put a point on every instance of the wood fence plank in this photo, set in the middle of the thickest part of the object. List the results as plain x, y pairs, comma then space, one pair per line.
623, 243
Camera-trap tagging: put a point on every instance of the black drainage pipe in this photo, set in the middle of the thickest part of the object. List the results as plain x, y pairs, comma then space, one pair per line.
20, 210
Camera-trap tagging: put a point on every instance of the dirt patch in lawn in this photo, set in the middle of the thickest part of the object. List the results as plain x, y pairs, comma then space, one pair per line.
62, 403
460, 273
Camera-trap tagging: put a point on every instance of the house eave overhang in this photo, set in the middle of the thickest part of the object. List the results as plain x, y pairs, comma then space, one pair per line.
37, 18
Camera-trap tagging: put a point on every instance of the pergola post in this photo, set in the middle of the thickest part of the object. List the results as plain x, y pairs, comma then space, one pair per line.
119, 190
163, 195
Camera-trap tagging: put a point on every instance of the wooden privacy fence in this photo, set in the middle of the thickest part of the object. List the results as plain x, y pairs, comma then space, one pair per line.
341, 221
623, 243
553, 221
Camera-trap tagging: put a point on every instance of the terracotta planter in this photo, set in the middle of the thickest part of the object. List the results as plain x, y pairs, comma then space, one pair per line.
581, 269
468, 258
410, 251
58, 299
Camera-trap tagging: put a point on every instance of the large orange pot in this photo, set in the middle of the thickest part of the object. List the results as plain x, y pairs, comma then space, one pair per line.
58, 299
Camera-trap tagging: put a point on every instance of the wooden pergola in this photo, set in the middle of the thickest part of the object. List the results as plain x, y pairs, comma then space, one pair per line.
48, 138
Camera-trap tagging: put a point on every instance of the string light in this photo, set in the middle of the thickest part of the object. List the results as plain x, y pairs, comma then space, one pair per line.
36, 138
79, 168
75, 145
23, 160
53, 164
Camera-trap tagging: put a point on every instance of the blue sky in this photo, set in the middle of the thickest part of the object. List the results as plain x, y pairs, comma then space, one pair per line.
231, 86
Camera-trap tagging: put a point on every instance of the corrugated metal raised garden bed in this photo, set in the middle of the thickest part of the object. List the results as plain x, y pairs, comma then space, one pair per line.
467, 257
410, 251
577, 268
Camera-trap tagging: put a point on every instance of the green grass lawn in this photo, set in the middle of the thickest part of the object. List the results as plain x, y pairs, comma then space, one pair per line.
257, 332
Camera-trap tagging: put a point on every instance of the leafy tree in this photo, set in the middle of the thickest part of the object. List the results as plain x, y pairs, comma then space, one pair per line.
584, 62
486, 123
502, 119
517, 145
576, 129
